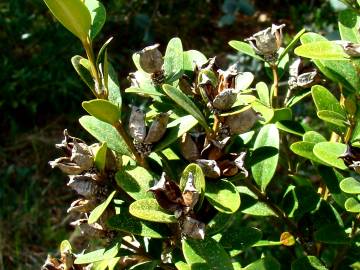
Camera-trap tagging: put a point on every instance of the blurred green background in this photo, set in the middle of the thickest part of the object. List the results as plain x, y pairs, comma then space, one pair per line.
40, 94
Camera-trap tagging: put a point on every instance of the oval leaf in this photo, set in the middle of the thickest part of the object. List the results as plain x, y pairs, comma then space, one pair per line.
352, 205
99, 210
193, 58
98, 16
150, 210
173, 60
350, 185
263, 93
267, 263
265, 156
205, 254
329, 153
102, 110
223, 195
349, 24
98, 255
83, 72
100, 157
305, 149
308, 263
244, 48
323, 50
243, 81
325, 100
105, 132
73, 14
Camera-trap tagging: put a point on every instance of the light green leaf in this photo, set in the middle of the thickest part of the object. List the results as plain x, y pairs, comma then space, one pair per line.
297, 97
175, 130
73, 15
98, 255
105, 132
205, 254
325, 100
263, 93
146, 91
193, 58
114, 88
243, 81
129, 224
266, 263
334, 118
266, 112
100, 157
103, 110
350, 185
282, 114
223, 196
308, 263
313, 136
150, 265
244, 48
65, 246
352, 205
173, 60
135, 181
83, 72
291, 44
99, 210
349, 24
305, 149
265, 156
329, 153
150, 210
183, 101
322, 50
98, 16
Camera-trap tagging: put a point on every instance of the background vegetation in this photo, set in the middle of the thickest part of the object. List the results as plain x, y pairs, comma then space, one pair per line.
40, 93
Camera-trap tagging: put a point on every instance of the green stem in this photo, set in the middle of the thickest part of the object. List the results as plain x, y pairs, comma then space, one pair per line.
275, 97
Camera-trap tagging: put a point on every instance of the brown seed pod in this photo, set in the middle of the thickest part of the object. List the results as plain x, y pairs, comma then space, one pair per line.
151, 59
188, 148
228, 168
192, 228
351, 49
242, 122
66, 166
157, 128
83, 185
190, 194
209, 168
239, 162
82, 156
225, 99
82, 206
137, 124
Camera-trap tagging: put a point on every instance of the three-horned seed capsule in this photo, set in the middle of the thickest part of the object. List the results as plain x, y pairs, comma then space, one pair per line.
151, 59
157, 128
137, 124
225, 99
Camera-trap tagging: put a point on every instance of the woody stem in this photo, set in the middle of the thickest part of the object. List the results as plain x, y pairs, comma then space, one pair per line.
275, 85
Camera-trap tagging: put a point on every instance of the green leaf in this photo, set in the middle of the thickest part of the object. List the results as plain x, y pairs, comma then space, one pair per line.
243, 81
173, 60
267, 243
105, 132
324, 100
265, 156
101, 55
223, 195
114, 88
105, 264
146, 91
292, 127
263, 93
350, 185
282, 114
251, 205
349, 24
266, 263
331, 234
299, 95
103, 110
65, 246
73, 15
220, 222
183, 101
129, 224
100, 157
291, 44
334, 118
308, 263
98, 255
193, 58
329, 153
313, 136
352, 205
175, 130
150, 210
266, 112
83, 72
150, 265
99, 210
244, 48
323, 50
205, 254
305, 149
98, 16
135, 182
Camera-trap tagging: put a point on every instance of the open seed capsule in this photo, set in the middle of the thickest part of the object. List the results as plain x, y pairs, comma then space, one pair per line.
137, 124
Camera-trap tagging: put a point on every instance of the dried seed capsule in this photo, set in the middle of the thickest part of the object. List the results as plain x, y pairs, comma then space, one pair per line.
239, 162
188, 148
157, 128
66, 166
351, 157
151, 59
242, 122
137, 124
190, 194
351, 49
307, 79
82, 156
83, 185
192, 228
225, 99
209, 167
82, 206
228, 168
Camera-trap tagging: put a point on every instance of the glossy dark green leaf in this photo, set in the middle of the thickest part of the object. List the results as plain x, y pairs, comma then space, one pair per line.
105, 132
184, 102
114, 88
263, 93
329, 153
149, 209
73, 15
220, 222
331, 234
173, 60
193, 58
100, 157
305, 149
264, 166
103, 110
251, 205
266, 263
323, 50
129, 224
244, 48
292, 127
98, 16
223, 195
349, 24
83, 72
291, 44
135, 182
352, 205
99, 210
205, 254
98, 255
308, 263
350, 185
282, 114
175, 130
